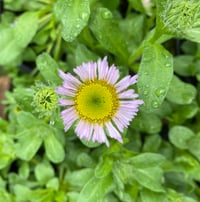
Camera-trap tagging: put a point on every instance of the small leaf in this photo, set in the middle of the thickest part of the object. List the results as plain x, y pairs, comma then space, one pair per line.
180, 92
104, 167
26, 120
194, 146
107, 32
147, 122
74, 15
44, 172
155, 74
15, 38
54, 149
95, 189
28, 144
150, 178
146, 160
48, 68
180, 135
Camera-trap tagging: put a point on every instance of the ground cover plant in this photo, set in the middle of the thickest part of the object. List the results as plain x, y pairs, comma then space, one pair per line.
104, 101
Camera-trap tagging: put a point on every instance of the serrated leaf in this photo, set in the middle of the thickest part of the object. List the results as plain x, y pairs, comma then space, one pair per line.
48, 68
73, 15
155, 74
54, 149
95, 189
107, 32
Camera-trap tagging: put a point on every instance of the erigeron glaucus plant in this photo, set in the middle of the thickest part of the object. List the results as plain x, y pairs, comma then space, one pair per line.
104, 101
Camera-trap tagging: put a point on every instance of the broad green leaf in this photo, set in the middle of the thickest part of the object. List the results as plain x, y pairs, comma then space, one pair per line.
180, 135
95, 189
83, 54
149, 178
183, 65
4, 196
54, 149
150, 140
26, 120
15, 38
146, 160
147, 122
28, 144
181, 92
80, 177
150, 196
48, 68
155, 74
44, 172
85, 160
107, 32
73, 15
194, 146
104, 167
137, 4
7, 152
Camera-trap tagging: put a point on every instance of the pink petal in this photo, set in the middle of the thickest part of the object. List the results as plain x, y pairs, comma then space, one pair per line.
64, 91
99, 135
102, 66
113, 75
112, 131
69, 116
64, 102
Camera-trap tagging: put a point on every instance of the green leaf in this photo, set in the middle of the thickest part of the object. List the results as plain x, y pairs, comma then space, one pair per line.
16, 37
26, 120
54, 149
180, 135
80, 177
28, 144
180, 92
107, 32
48, 68
7, 152
44, 172
95, 189
104, 167
146, 122
149, 178
73, 15
194, 146
149, 196
155, 74
183, 65
146, 160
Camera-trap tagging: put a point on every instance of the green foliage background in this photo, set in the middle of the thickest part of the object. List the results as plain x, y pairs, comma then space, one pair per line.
160, 158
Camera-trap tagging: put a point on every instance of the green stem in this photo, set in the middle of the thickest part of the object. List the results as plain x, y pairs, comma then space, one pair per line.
58, 45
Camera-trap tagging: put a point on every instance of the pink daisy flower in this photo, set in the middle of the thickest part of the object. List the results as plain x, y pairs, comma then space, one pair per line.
98, 102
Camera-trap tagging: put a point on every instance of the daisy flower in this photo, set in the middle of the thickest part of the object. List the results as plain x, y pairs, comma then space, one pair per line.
98, 102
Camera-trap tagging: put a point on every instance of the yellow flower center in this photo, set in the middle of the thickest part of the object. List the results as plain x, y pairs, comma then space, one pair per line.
96, 101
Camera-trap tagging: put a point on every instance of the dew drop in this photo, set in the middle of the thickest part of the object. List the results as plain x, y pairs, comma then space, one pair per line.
145, 92
84, 16
160, 92
107, 15
51, 122
168, 65
155, 104
146, 73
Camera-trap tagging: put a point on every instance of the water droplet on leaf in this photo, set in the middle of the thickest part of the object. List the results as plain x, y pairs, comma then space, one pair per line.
160, 92
84, 16
107, 15
168, 65
155, 104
